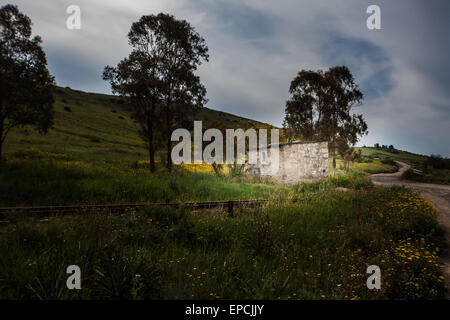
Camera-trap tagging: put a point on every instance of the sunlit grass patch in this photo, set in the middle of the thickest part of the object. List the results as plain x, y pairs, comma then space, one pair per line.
51, 180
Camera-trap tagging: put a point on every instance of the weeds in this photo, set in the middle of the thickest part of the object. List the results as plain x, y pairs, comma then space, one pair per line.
315, 249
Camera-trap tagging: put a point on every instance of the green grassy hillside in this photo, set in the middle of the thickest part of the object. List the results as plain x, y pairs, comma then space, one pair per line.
93, 154
97, 126
90, 126
398, 155
380, 161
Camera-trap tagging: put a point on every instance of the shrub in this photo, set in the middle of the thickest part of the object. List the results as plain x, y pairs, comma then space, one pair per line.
389, 162
351, 180
437, 162
411, 175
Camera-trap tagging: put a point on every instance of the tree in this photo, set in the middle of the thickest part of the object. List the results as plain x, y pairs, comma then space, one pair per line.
181, 50
136, 77
320, 107
26, 86
303, 109
347, 153
158, 76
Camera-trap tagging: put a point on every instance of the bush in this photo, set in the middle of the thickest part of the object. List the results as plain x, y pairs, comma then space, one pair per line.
389, 162
437, 162
351, 180
411, 175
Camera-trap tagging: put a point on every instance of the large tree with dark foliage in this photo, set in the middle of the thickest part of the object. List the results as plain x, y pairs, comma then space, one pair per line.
25, 83
320, 107
159, 76
135, 78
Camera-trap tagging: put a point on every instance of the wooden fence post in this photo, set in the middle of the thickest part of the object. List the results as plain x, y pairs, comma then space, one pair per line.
230, 208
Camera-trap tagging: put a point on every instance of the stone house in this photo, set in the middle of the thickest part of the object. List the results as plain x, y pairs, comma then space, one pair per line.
298, 161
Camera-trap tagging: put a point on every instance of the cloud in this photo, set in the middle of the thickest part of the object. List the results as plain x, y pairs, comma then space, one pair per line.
368, 62
258, 46
236, 18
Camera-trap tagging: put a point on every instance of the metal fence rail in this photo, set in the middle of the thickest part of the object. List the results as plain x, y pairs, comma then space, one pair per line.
117, 209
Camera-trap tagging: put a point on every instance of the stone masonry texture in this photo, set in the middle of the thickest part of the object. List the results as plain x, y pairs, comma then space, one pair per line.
298, 161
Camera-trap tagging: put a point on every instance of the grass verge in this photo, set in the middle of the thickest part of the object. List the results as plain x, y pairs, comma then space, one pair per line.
316, 249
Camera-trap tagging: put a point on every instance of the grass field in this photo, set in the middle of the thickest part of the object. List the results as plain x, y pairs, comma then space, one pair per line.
56, 179
317, 248
398, 155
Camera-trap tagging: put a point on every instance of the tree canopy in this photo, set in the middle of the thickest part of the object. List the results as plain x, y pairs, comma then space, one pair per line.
26, 85
158, 76
320, 107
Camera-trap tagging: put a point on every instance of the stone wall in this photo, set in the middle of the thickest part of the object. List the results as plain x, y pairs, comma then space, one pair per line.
298, 161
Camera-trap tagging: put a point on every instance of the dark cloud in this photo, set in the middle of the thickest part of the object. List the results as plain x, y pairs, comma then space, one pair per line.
368, 62
257, 47
238, 19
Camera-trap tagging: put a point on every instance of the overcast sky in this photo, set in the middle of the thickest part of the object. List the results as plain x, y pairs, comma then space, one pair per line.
258, 46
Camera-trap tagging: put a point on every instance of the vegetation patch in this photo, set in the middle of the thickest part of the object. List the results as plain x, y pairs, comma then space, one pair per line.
434, 169
318, 248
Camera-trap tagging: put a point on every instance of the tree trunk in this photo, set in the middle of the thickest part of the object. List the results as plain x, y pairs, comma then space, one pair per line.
216, 169
1, 138
334, 124
169, 143
333, 146
152, 158
169, 156
151, 154
151, 149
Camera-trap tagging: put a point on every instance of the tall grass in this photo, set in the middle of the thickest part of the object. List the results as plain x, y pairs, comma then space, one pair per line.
316, 249
63, 182
33, 177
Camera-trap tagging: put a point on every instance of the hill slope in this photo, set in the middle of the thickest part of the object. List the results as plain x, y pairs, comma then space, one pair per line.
89, 124
98, 127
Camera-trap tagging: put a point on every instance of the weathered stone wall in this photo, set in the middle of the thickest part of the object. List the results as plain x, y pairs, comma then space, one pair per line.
298, 161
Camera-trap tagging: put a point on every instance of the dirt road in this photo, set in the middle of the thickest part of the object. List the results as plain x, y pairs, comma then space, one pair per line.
437, 194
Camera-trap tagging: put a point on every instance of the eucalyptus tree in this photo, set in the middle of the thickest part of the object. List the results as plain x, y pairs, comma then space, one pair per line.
26, 86
321, 107
159, 78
